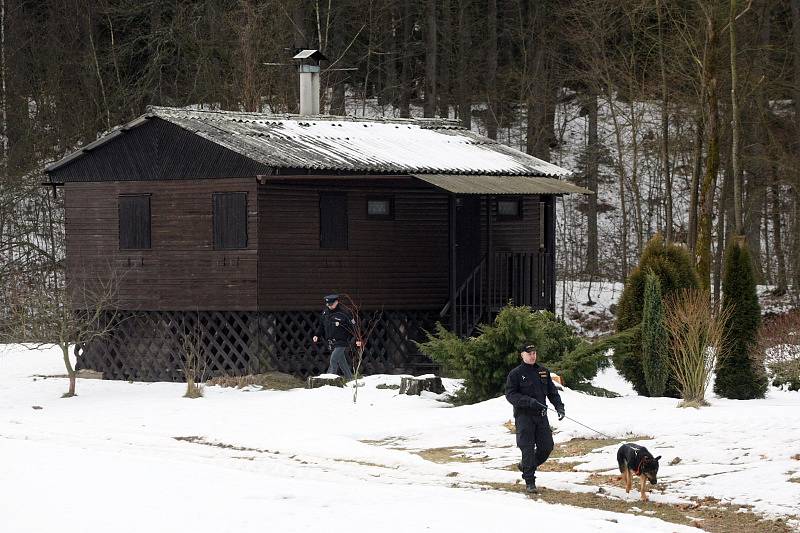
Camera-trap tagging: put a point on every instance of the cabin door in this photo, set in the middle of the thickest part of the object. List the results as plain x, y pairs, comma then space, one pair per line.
468, 236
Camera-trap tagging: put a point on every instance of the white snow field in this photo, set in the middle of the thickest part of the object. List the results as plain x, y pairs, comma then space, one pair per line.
137, 457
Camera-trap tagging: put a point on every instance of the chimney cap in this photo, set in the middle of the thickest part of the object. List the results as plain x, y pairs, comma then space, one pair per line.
310, 54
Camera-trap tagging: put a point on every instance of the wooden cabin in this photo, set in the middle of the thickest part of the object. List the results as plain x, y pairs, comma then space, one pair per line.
239, 223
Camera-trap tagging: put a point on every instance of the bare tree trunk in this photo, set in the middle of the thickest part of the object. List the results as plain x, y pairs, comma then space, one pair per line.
796, 97
754, 210
767, 255
3, 97
796, 239
735, 125
665, 170
389, 59
592, 173
782, 282
70, 370
251, 100
537, 83
491, 70
431, 51
90, 32
405, 72
464, 54
637, 193
722, 231
445, 59
694, 188
709, 184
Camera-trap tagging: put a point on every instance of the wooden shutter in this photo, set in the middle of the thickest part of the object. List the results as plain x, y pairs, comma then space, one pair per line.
134, 222
230, 220
333, 220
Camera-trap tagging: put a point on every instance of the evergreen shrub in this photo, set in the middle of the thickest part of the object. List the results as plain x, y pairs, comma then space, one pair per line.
673, 266
485, 361
740, 371
654, 338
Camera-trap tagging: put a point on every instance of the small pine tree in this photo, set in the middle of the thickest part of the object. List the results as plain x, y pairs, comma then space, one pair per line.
654, 338
739, 376
485, 361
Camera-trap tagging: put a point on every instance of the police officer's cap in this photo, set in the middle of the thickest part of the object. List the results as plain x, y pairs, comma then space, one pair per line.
527, 347
329, 299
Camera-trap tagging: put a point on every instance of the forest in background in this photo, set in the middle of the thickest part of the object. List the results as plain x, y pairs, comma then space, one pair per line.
681, 114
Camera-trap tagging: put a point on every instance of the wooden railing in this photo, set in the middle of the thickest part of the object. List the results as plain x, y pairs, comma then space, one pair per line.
470, 303
521, 277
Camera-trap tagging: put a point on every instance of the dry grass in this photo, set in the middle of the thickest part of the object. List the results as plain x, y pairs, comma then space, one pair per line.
387, 441
708, 514
449, 455
694, 404
267, 381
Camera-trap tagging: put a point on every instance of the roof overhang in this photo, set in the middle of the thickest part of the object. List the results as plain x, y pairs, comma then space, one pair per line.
500, 185
103, 139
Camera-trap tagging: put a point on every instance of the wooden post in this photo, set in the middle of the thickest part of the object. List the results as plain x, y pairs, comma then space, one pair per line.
453, 256
550, 236
489, 254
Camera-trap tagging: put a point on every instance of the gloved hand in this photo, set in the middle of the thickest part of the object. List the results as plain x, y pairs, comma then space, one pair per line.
561, 414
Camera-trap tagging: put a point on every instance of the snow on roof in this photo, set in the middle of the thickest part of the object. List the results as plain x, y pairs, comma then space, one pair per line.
389, 146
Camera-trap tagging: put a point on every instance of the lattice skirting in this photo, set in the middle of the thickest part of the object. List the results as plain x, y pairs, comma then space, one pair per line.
153, 345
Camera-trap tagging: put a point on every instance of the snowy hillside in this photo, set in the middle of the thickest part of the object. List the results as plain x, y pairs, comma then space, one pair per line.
128, 457
590, 307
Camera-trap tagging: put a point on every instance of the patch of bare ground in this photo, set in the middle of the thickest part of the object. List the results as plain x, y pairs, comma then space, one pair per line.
707, 514
451, 455
390, 442
194, 439
267, 381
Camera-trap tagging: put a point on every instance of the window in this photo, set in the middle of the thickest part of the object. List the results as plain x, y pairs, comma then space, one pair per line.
134, 222
508, 208
380, 208
230, 220
333, 220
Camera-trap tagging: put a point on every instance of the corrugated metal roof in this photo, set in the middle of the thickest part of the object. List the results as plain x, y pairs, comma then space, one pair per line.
472, 184
398, 146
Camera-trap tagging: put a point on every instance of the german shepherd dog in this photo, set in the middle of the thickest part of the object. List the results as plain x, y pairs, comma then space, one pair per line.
635, 459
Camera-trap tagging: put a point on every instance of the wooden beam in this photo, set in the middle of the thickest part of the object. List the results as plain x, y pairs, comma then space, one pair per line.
453, 257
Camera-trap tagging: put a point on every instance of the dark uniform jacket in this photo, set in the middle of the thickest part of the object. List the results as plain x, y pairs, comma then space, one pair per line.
525, 386
336, 327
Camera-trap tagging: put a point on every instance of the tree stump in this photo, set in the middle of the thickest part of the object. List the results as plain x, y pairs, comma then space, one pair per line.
325, 379
415, 385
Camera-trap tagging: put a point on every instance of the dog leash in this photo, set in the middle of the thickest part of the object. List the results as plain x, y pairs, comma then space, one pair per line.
568, 418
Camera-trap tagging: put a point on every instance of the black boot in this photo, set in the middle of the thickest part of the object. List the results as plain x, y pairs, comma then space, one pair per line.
530, 487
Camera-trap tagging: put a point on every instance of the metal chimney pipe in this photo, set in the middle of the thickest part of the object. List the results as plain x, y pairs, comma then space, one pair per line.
309, 89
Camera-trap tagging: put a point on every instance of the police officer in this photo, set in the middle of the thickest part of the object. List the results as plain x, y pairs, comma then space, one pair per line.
526, 388
336, 327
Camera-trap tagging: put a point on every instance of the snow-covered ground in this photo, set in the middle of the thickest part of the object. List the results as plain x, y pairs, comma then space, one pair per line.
128, 457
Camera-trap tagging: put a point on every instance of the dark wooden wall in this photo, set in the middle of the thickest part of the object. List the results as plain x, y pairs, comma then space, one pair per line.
397, 264
181, 270
515, 235
391, 264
